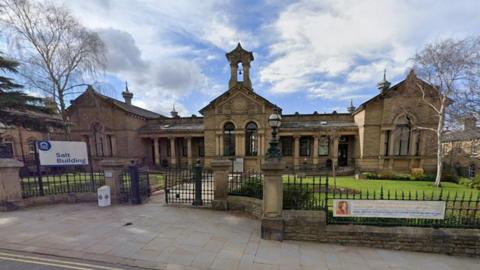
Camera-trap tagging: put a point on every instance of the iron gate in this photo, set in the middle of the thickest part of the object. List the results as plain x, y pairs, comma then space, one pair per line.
135, 187
189, 185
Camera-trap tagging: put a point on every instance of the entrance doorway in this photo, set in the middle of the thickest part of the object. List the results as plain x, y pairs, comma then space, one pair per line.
343, 155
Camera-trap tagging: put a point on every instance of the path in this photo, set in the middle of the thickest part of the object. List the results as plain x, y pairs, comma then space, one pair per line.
166, 237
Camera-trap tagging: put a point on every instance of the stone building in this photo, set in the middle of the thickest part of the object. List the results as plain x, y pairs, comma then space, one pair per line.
462, 149
19, 129
381, 134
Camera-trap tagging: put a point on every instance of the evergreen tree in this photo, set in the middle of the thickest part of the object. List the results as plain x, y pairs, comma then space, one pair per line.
11, 97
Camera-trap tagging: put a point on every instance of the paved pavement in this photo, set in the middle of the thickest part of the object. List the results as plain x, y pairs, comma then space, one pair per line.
166, 237
26, 261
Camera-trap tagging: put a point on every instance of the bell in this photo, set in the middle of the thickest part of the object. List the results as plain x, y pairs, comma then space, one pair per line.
240, 72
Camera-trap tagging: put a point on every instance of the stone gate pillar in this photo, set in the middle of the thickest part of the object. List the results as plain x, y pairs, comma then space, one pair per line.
272, 220
113, 170
10, 187
221, 169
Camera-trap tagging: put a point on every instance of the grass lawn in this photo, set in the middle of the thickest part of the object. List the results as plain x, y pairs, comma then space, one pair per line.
157, 180
405, 186
421, 187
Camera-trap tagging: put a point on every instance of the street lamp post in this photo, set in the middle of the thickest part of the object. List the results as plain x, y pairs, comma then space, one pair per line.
273, 226
275, 121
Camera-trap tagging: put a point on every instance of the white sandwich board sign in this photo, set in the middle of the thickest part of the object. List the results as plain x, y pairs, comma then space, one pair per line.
62, 153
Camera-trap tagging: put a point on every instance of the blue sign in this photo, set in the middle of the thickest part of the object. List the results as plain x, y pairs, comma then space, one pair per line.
44, 145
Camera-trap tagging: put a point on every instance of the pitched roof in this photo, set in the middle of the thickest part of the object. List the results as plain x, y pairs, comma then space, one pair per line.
181, 124
380, 95
126, 107
228, 92
317, 125
462, 135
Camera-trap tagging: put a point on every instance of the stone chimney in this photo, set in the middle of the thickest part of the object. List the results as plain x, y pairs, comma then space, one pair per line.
384, 85
50, 104
127, 95
470, 123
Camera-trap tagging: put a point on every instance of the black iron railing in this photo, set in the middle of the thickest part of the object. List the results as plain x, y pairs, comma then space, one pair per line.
301, 192
462, 210
53, 184
306, 192
135, 186
248, 184
194, 185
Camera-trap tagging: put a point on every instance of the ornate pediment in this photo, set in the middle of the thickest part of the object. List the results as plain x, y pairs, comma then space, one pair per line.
239, 103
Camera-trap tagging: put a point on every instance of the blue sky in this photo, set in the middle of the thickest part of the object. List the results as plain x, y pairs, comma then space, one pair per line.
309, 55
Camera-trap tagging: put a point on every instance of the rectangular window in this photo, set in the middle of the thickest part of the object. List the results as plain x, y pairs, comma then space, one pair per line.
323, 146
6, 150
169, 148
184, 147
305, 146
287, 146
110, 144
201, 147
474, 148
387, 143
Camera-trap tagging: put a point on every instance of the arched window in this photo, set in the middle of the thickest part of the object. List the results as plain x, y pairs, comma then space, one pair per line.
229, 139
403, 132
251, 139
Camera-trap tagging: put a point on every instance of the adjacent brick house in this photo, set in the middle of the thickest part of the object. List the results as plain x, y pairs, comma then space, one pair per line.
381, 134
462, 149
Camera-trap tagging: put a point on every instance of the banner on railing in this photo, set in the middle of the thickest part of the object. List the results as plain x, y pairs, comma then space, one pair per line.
62, 153
389, 209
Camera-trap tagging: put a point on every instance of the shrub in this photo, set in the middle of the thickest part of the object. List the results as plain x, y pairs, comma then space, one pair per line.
296, 197
449, 176
250, 189
417, 173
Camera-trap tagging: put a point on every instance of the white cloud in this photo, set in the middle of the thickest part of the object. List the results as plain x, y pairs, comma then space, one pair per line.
146, 49
349, 43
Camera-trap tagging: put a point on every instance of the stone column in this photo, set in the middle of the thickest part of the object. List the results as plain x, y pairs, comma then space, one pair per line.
239, 143
381, 155
221, 168
113, 170
156, 149
315, 149
10, 188
189, 151
272, 220
296, 151
173, 155
335, 150
392, 148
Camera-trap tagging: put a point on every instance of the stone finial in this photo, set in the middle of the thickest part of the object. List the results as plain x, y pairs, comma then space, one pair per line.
174, 113
236, 57
127, 95
351, 108
384, 85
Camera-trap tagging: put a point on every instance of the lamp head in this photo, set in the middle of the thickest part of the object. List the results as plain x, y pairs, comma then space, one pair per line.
275, 120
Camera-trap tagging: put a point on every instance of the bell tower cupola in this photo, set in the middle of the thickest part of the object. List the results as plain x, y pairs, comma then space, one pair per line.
239, 56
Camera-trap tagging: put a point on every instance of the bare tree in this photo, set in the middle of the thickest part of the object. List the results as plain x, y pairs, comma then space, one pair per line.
450, 70
57, 53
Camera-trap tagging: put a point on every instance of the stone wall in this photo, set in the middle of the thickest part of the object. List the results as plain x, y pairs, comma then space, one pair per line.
61, 198
311, 226
248, 205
